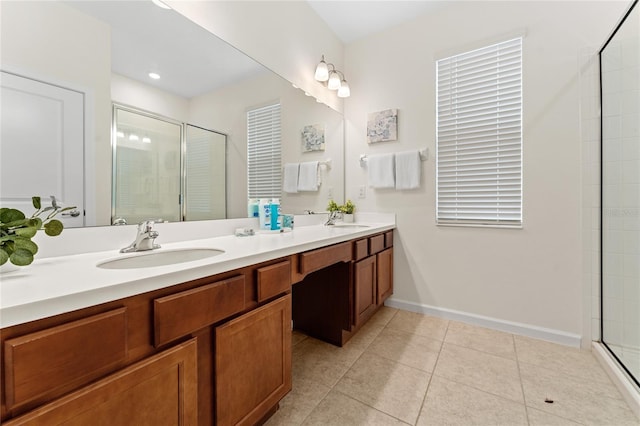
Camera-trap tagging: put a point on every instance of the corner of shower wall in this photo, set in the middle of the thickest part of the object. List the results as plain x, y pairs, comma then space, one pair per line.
589, 82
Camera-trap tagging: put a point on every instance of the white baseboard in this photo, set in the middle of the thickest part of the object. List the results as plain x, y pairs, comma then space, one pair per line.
550, 335
627, 388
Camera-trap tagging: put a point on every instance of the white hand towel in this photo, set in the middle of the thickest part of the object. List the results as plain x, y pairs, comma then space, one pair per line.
380, 171
308, 176
290, 181
408, 170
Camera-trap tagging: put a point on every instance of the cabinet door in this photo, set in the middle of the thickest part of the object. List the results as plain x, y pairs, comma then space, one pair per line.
253, 363
161, 390
365, 289
385, 275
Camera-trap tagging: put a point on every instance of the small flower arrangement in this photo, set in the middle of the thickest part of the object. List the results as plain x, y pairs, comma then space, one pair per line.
347, 208
16, 231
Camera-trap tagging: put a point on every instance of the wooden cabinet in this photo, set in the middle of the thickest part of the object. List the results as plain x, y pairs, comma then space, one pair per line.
253, 363
364, 280
338, 288
43, 365
215, 350
161, 390
384, 268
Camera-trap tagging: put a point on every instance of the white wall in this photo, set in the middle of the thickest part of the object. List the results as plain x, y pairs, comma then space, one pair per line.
530, 276
286, 36
132, 93
40, 40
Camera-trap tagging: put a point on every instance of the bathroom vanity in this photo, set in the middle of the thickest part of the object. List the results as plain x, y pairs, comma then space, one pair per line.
205, 342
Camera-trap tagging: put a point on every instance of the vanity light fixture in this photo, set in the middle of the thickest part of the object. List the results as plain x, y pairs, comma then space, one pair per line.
133, 137
332, 78
154, 75
146, 139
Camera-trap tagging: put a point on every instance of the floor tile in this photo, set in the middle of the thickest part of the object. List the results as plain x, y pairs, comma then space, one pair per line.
364, 337
305, 395
540, 418
322, 362
481, 339
393, 388
564, 359
338, 409
383, 316
480, 370
582, 400
406, 348
450, 403
423, 325
297, 337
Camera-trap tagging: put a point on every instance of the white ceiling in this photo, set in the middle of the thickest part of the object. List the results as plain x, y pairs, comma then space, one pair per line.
189, 59
354, 19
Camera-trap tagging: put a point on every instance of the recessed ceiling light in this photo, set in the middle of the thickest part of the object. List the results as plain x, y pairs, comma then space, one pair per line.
154, 75
146, 139
160, 4
133, 137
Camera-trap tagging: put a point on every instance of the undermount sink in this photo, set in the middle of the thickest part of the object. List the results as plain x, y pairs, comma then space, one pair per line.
350, 225
159, 258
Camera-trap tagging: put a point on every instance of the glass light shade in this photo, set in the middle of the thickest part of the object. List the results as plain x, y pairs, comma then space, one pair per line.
322, 71
344, 91
334, 81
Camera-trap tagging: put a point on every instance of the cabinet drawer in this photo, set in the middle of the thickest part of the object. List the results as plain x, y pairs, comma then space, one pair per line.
47, 363
376, 244
273, 280
360, 249
183, 313
321, 258
388, 239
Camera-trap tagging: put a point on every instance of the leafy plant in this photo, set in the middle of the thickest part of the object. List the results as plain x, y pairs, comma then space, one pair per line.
17, 230
348, 207
333, 207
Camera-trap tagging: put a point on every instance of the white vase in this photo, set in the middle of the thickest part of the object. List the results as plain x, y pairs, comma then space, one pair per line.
347, 218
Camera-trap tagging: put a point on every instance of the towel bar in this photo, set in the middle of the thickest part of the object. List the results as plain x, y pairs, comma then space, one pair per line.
424, 156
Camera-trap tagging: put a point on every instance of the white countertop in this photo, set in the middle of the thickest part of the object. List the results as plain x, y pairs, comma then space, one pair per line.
55, 285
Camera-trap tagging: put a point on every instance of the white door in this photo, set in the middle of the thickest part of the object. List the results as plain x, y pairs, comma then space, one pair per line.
41, 146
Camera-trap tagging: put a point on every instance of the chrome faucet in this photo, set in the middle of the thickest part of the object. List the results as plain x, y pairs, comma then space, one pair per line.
145, 239
333, 216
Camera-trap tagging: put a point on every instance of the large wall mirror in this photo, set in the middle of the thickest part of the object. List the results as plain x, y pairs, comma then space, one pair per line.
99, 53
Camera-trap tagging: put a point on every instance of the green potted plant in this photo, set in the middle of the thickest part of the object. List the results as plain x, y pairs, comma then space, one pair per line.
17, 230
347, 209
333, 206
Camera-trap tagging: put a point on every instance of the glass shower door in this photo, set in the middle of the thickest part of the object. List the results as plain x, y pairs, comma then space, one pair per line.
147, 167
620, 292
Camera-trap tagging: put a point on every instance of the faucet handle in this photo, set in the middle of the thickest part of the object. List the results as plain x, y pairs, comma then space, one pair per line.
147, 224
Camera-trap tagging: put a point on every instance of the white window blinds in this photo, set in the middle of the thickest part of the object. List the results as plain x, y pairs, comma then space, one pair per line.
479, 136
264, 164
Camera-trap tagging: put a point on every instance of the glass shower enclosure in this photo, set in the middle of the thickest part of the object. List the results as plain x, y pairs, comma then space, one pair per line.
620, 197
165, 170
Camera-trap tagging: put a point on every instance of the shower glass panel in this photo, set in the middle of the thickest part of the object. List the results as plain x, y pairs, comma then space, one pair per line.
620, 215
205, 174
147, 167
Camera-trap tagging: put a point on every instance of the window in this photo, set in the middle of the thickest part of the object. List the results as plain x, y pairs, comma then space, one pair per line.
264, 164
479, 136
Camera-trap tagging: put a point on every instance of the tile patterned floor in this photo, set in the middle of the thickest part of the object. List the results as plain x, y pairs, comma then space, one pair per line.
404, 368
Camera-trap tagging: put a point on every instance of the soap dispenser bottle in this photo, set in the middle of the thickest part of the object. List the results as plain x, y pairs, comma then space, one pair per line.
264, 213
274, 214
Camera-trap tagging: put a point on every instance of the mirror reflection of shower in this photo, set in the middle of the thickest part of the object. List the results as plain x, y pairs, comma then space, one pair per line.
620, 206
164, 169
